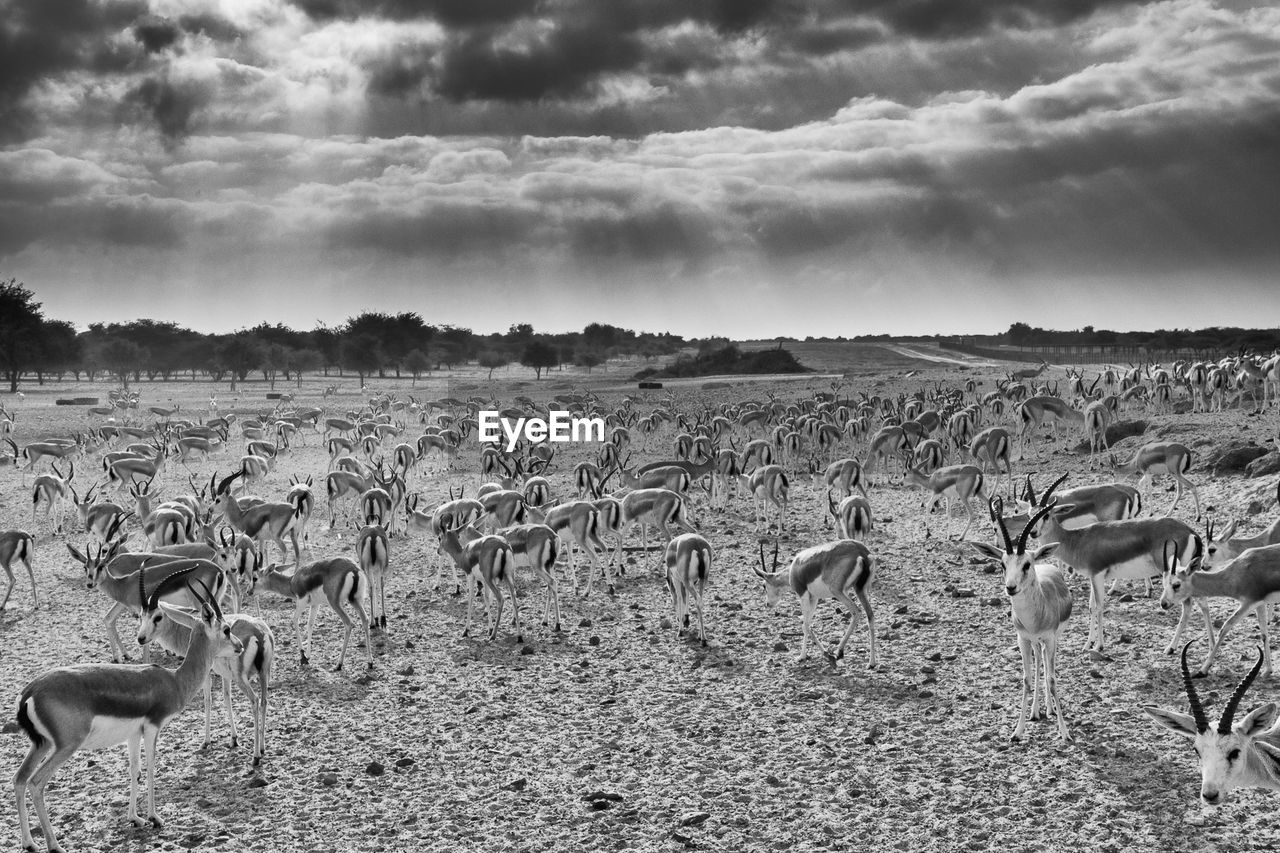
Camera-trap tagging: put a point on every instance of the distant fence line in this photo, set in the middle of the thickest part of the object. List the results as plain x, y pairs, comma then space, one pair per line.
1072, 354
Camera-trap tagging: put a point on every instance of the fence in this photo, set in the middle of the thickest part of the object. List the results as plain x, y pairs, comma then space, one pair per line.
1071, 354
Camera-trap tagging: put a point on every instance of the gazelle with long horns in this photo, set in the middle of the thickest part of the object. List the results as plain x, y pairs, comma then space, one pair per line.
93, 706
1231, 755
1041, 604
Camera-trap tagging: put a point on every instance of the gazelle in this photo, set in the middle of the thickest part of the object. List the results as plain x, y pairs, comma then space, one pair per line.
688, 561
374, 553
1097, 418
1040, 604
578, 522
1227, 546
768, 485
853, 516
990, 449
56, 492
658, 507
1037, 411
1252, 579
1244, 755
93, 706
536, 546
1108, 550
843, 475
1157, 458
264, 522
959, 482
888, 443
337, 581
830, 570
490, 561
18, 545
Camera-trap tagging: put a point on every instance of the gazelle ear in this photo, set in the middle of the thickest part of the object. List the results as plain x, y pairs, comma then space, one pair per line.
184, 616
1177, 723
79, 555
988, 550
1045, 550
1259, 720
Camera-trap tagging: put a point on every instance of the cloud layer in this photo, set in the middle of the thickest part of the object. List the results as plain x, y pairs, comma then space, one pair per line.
738, 167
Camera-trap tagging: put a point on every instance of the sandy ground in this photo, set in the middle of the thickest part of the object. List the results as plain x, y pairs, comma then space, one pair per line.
461, 744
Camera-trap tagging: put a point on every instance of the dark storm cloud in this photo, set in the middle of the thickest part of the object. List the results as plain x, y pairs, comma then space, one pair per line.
156, 33
172, 105
940, 19
40, 39
477, 68
455, 13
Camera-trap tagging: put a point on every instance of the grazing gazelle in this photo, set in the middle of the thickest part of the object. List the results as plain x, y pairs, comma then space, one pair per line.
1231, 755
1227, 546
768, 485
1252, 579
853, 516
960, 482
97, 705
18, 545
489, 560
830, 570
688, 561
339, 581
1156, 458
1041, 603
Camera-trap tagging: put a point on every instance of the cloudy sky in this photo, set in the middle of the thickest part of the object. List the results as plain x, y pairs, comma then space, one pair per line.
742, 167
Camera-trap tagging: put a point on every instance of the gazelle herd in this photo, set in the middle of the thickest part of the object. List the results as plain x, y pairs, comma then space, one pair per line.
189, 564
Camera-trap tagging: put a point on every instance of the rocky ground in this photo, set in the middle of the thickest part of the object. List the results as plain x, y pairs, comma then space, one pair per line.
613, 734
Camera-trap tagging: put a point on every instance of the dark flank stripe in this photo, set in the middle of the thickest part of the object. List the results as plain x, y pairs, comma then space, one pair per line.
863, 573
354, 595
260, 657
24, 721
309, 583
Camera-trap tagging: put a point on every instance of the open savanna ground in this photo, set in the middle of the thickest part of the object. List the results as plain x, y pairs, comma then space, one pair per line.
614, 733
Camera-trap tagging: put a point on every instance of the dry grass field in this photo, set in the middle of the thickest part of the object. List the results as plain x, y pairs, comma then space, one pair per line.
453, 743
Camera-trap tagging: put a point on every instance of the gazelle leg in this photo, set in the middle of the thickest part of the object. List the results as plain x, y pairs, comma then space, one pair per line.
1037, 666
1241, 612
1024, 646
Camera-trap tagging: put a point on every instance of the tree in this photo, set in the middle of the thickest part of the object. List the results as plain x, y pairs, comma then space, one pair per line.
275, 358
122, 357
417, 363
588, 359
1019, 334
305, 361
363, 354
493, 359
239, 354
540, 356
21, 327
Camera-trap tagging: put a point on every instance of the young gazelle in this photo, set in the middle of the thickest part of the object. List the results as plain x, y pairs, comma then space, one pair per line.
768, 485
18, 545
1097, 417
830, 570
1252, 579
490, 561
1156, 458
1231, 755
688, 560
1041, 604
843, 475
454, 512
960, 482
1036, 411
338, 581
374, 554
93, 706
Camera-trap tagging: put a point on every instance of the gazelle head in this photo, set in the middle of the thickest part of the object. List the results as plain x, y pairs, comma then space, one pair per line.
1019, 566
1228, 752
775, 583
1174, 574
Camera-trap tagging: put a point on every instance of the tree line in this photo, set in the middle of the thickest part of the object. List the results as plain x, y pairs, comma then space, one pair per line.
370, 344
